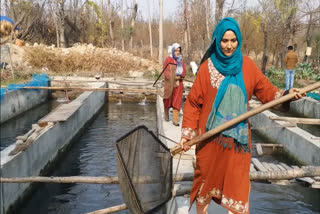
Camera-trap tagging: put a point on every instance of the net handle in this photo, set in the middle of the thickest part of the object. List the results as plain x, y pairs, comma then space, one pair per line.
244, 116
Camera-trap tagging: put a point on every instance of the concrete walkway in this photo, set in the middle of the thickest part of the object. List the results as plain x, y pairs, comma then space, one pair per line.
180, 204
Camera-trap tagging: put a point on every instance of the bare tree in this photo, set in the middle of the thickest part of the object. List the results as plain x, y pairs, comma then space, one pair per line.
61, 23
160, 32
265, 23
133, 20
219, 10
110, 20
55, 21
122, 26
208, 10
186, 26
150, 32
310, 27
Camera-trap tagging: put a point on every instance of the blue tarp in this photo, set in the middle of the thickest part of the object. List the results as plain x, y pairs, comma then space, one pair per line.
37, 80
7, 19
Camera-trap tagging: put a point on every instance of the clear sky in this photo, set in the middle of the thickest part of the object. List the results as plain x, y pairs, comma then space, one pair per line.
171, 7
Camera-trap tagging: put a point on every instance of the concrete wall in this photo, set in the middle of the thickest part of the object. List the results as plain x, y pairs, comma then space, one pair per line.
45, 148
301, 144
307, 107
16, 102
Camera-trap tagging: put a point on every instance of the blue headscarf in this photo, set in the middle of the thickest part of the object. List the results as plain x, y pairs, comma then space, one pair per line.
231, 98
179, 69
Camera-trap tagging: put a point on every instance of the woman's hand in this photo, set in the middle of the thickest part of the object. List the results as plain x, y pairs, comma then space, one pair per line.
183, 141
178, 77
297, 91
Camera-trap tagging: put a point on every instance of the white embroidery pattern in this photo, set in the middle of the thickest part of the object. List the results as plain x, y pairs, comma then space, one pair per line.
188, 133
215, 77
279, 94
237, 206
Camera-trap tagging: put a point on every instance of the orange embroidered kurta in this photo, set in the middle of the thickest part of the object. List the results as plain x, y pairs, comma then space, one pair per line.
221, 173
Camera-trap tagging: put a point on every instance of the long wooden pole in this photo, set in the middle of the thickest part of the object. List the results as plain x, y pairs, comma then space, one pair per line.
309, 171
107, 81
84, 179
110, 209
136, 90
297, 120
244, 116
71, 179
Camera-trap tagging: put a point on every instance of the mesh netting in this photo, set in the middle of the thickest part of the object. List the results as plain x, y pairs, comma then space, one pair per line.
37, 80
144, 170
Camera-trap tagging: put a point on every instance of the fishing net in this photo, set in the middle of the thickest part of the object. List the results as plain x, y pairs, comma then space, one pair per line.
145, 184
37, 80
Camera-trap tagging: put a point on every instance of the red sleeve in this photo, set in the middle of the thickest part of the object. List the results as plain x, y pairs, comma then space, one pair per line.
194, 101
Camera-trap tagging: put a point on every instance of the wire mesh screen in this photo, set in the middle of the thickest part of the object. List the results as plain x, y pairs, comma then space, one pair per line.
144, 170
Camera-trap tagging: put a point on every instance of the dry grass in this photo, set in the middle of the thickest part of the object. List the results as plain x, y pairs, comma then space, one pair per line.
95, 60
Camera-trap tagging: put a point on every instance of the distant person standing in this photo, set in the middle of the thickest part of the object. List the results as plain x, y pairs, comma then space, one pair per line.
290, 60
175, 71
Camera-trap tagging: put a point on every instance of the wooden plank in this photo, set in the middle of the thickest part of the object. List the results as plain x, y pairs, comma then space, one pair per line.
285, 166
317, 178
252, 169
281, 167
266, 165
259, 149
61, 113
297, 120
273, 145
278, 167
316, 185
274, 167
308, 180
267, 148
258, 165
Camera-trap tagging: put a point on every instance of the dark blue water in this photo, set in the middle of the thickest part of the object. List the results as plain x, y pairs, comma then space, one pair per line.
21, 124
268, 198
293, 199
93, 154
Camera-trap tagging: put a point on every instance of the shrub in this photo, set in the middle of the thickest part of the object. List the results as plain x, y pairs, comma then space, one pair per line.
304, 71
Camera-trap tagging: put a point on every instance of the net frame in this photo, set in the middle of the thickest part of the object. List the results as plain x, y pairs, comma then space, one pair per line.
128, 188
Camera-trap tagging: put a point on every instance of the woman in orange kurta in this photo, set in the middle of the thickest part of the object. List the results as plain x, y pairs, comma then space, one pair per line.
223, 162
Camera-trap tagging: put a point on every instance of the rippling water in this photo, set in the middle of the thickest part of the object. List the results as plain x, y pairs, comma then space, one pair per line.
93, 154
293, 199
21, 124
